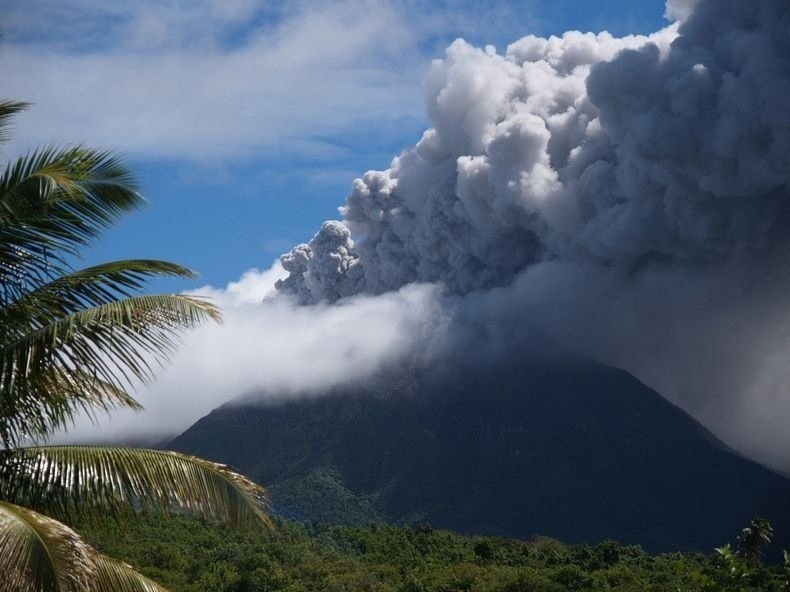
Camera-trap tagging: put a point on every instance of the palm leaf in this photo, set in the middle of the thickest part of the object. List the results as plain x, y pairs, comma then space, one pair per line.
39, 553
74, 341
7, 110
53, 366
54, 201
116, 576
96, 481
92, 186
52, 400
89, 287
42, 554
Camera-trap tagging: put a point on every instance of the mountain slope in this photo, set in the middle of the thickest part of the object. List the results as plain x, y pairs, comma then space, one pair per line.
567, 448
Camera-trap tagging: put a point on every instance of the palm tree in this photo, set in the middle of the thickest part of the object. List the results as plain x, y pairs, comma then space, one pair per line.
752, 540
76, 341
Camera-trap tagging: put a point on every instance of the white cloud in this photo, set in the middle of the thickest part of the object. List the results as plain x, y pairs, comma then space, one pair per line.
274, 349
86, 26
253, 287
223, 79
202, 89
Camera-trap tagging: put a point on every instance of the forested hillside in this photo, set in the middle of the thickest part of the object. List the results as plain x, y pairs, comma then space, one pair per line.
189, 555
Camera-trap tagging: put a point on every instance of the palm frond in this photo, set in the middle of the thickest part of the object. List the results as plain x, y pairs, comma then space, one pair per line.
42, 554
114, 333
116, 576
54, 180
7, 110
83, 290
54, 201
54, 366
39, 553
53, 399
92, 286
73, 341
98, 481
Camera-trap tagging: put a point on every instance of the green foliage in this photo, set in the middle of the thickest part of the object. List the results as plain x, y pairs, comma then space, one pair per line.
324, 490
189, 555
103, 481
732, 573
76, 341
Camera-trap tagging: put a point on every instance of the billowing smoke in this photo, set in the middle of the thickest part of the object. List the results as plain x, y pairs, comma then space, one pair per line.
626, 198
269, 347
624, 152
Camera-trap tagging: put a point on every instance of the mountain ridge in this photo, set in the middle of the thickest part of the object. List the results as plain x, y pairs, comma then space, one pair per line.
566, 448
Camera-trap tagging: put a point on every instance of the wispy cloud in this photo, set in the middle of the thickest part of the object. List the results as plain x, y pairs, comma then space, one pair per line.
224, 80
204, 86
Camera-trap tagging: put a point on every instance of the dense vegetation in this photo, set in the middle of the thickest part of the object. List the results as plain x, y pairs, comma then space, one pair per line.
191, 555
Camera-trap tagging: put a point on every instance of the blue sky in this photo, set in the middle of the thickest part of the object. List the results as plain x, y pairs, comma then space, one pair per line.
246, 121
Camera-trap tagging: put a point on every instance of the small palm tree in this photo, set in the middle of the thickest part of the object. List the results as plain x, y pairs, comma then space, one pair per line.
752, 540
74, 341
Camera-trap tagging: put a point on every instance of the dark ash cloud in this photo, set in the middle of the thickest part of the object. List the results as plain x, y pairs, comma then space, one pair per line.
624, 197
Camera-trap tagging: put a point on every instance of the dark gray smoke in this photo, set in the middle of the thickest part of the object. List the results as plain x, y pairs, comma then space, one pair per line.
627, 198
675, 153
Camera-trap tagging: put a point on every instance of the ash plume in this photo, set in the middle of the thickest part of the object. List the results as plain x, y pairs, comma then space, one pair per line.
626, 198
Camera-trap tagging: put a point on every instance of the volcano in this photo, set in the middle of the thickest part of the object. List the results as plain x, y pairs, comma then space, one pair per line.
566, 448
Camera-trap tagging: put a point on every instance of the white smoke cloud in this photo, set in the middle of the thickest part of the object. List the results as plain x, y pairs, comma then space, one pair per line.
625, 197
483, 192
273, 348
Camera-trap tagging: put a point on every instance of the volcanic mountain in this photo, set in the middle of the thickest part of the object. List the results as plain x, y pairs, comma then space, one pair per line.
565, 447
